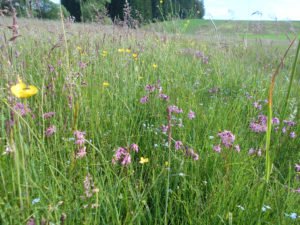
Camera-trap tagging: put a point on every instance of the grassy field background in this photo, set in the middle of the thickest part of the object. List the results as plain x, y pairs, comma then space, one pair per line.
95, 79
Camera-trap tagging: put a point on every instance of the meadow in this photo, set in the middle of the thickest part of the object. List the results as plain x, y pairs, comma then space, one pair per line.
167, 124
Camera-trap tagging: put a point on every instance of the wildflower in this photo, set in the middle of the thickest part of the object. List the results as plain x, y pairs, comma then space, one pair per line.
189, 152
121, 50
178, 145
80, 137
150, 88
50, 131
8, 150
154, 66
257, 105
292, 215
292, 134
161, 1
283, 130
22, 109
227, 138
275, 121
105, 84
175, 109
164, 97
134, 147
240, 207
81, 152
104, 53
21, 90
82, 65
297, 167
144, 99
144, 160
166, 163
36, 200
251, 151
289, 123
122, 156
48, 115
260, 125
164, 128
265, 208
191, 115
135, 56
127, 50
237, 148
217, 148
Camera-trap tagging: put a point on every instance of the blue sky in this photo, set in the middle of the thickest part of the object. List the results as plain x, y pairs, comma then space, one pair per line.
242, 9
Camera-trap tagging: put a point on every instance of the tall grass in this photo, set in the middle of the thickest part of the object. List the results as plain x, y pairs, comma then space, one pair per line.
42, 178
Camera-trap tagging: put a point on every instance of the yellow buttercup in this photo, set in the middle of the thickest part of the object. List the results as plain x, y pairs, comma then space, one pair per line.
21, 90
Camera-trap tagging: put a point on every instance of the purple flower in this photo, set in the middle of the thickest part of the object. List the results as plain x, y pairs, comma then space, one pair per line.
293, 134
175, 109
258, 128
297, 167
178, 145
257, 105
251, 151
22, 109
164, 128
51, 68
190, 153
237, 148
150, 88
283, 130
82, 65
289, 123
164, 97
144, 99
227, 138
50, 131
122, 156
48, 115
217, 148
275, 121
191, 115
134, 147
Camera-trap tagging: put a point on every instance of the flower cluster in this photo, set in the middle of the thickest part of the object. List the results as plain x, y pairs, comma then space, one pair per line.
227, 139
288, 128
122, 155
151, 89
80, 141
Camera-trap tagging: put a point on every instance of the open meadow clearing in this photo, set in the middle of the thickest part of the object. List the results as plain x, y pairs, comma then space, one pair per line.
172, 123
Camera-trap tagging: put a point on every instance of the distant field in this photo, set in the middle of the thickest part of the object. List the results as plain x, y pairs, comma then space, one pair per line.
251, 29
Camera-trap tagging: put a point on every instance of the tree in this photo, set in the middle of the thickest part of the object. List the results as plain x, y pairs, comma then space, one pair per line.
73, 6
92, 10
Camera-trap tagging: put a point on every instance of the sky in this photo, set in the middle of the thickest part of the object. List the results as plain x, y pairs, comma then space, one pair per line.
243, 9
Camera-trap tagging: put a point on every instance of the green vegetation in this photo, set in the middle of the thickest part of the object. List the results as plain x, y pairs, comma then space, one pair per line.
117, 85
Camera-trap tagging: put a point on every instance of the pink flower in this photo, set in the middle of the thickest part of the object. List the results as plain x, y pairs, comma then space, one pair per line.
122, 156
50, 131
292, 134
134, 147
48, 115
81, 152
217, 148
227, 138
144, 100
22, 109
164, 128
190, 153
178, 145
297, 167
80, 137
164, 97
237, 148
150, 88
175, 109
191, 115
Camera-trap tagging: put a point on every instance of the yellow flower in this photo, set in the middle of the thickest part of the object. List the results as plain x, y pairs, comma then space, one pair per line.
154, 66
121, 50
161, 1
104, 53
166, 163
21, 90
144, 160
135, 56
105, 84
128, 50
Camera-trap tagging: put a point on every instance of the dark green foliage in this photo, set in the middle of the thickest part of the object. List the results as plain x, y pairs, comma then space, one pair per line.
73, 6
93, 10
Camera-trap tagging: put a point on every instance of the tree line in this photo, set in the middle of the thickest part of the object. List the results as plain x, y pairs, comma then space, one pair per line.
93, 10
